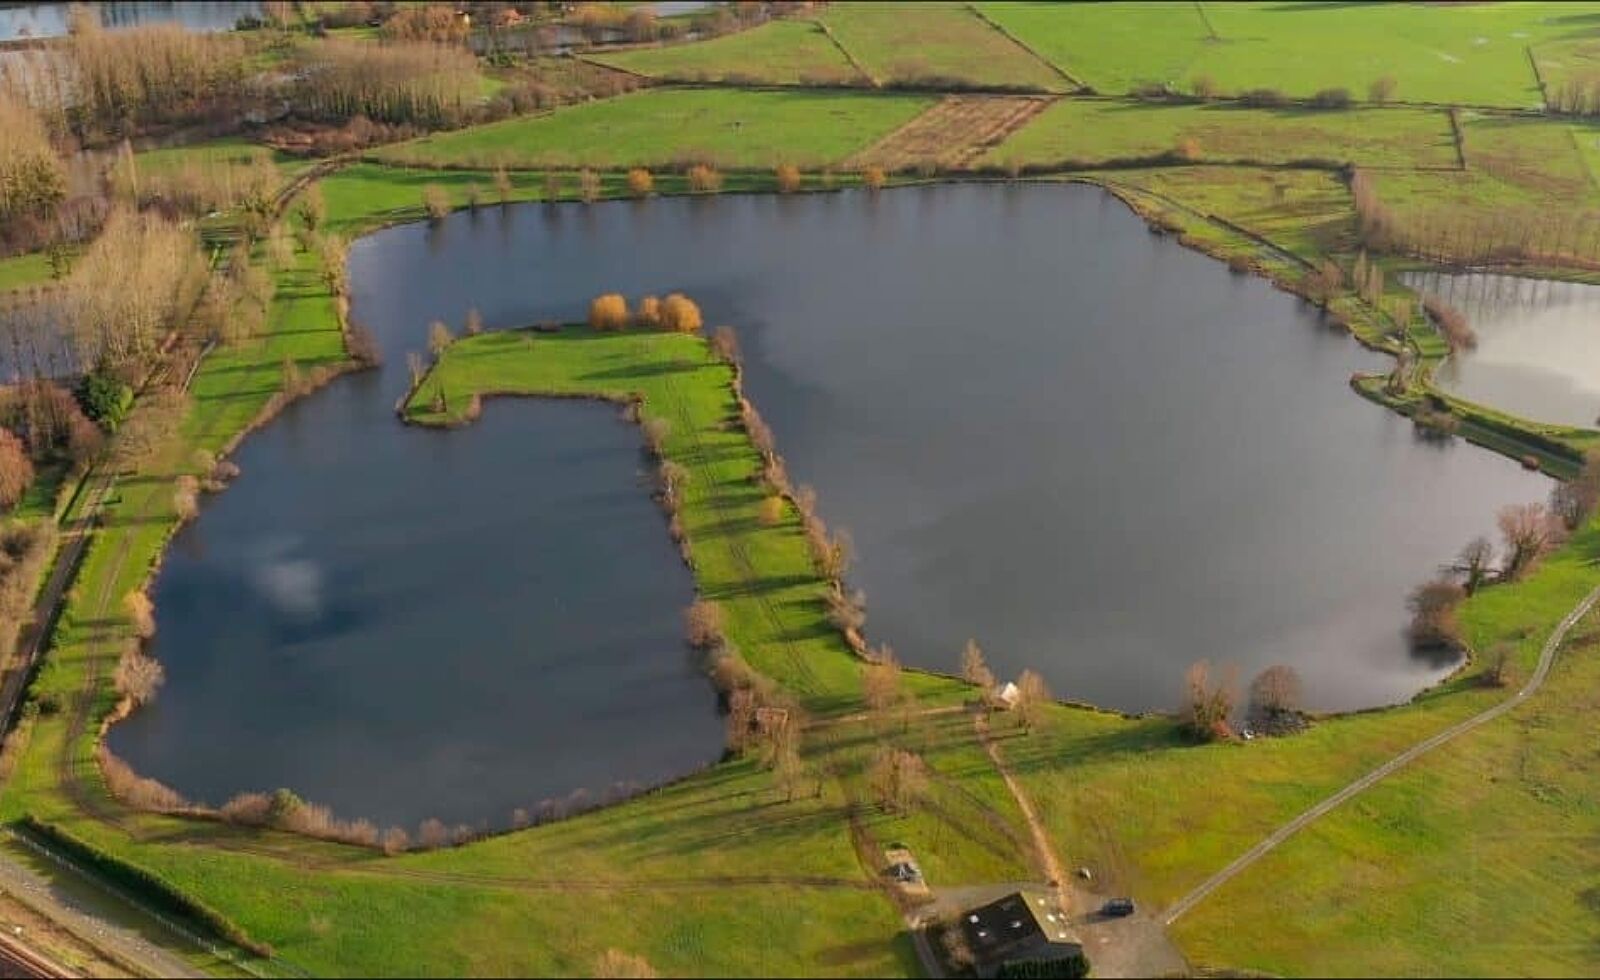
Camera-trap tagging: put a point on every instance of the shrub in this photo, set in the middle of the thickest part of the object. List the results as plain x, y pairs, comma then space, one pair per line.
1208, 702
502, 185
680, 314
1382, 89
16, 470
846, 610
104, 398
435, 201
725, 344
1265, 98
640, 182
1332, 98
588, 185
439, 337
1275, 691
702, 623
474, 323
788, 177
608, 312
873, 178
141, 613
704, 179
1188, 149
137, 676
1433, 615
649, 313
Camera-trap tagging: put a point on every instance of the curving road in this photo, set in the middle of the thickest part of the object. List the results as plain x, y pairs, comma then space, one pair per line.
1547, 657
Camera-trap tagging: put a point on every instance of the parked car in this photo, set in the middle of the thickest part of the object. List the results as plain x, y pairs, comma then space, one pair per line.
1117, 908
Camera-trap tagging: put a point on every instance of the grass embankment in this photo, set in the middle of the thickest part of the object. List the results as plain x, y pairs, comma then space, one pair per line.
1469, 54
671, 127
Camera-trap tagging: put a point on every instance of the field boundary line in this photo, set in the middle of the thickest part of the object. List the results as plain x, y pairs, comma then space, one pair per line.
855, 62
994, 25
1547, 657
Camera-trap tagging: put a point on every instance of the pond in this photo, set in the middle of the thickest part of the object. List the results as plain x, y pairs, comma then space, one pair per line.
403, 623
25, 20
1537, 342
1095, 451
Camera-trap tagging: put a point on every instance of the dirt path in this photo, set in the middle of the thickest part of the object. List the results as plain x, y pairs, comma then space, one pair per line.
1134, 946
1546, 658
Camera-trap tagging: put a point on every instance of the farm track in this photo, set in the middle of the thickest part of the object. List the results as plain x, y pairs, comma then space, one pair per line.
1547, 657
951, 135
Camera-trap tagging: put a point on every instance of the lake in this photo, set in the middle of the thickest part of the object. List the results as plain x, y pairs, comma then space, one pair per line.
26, 20
1537, 342
1097, 452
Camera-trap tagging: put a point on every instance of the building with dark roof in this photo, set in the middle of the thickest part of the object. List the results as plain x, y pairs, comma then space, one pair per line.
1025, 929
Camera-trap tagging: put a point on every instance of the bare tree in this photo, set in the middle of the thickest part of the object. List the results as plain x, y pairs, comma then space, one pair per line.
439, 338
1274, 693
1433, 615
474, 324
882, 682
847, 610
1208, 701
435, 201
137, 676
1574, 501
788, 178
898, 779
1032, 695
703, 624
975, 669
1525, 530
141, 613
1474, 564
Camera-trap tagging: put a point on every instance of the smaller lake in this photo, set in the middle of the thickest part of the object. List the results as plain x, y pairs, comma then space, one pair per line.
448, 624
1538, 353
50, 19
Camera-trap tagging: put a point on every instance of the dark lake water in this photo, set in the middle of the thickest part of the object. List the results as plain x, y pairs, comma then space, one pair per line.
1538, 352
51, 19
1097, 452
403, 623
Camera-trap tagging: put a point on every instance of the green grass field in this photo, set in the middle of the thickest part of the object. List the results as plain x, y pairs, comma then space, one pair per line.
936, 43
783, 52
1084, 133
29, 269
1473, 54
1476, 860
671, 127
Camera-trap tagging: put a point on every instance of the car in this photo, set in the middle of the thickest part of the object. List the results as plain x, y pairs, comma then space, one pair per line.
1117, 908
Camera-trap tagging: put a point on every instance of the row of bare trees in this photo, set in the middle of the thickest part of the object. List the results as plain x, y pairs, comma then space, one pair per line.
1461, 236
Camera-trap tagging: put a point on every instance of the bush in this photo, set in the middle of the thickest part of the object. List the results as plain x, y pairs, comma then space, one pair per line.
435, 201
704, 179
1433, 615
609, 312
873, 178
640, 182
1332, 98
649, 314
1264, 98
16, 470
680, 314
788, 176
702, 623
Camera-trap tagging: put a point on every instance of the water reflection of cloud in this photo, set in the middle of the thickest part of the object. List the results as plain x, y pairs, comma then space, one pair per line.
291, 585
